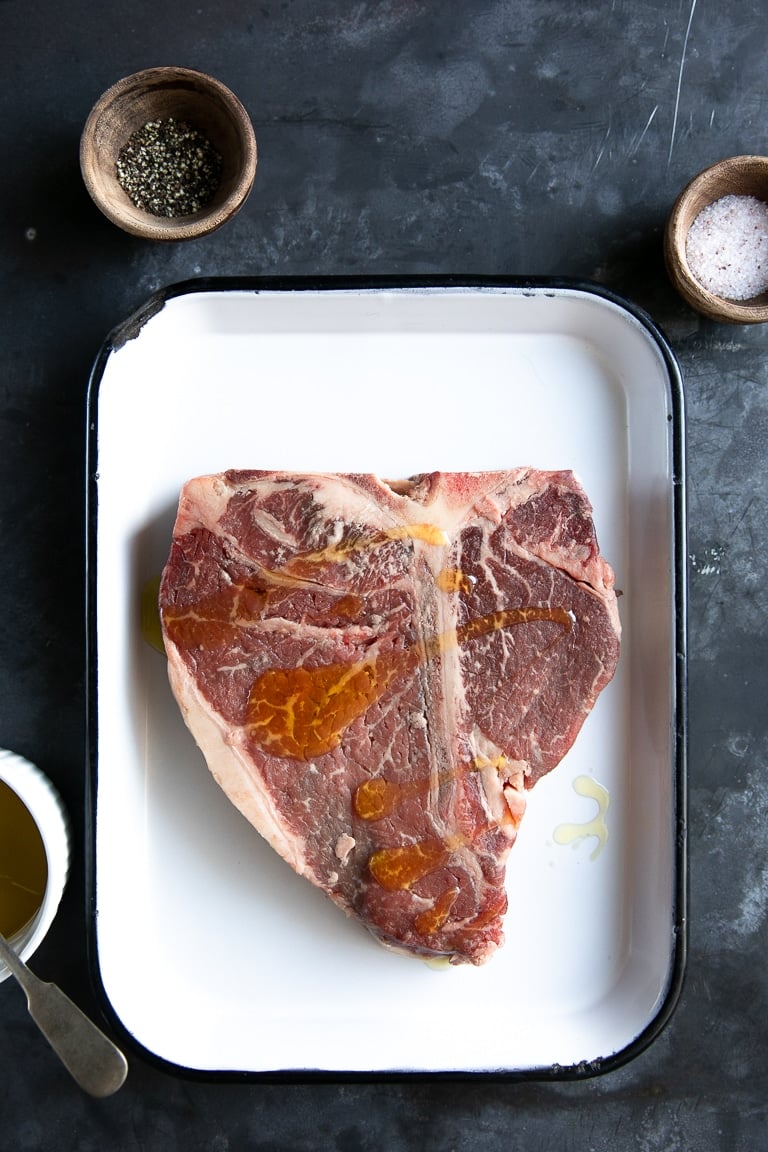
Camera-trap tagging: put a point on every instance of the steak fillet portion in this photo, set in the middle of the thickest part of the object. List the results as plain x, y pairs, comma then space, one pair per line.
377, 672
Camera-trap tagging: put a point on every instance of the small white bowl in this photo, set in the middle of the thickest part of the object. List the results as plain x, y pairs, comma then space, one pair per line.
44, 805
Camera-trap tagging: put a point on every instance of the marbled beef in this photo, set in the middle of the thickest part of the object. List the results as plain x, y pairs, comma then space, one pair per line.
377, 672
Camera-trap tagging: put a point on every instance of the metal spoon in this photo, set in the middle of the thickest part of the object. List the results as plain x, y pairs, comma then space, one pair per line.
88, 1055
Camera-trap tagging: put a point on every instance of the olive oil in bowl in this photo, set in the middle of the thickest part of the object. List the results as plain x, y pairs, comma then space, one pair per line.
23, 864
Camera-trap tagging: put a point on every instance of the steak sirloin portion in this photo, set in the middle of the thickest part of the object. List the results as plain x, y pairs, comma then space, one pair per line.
376, 673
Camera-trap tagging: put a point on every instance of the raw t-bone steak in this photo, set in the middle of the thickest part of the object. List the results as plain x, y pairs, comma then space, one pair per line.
377, 672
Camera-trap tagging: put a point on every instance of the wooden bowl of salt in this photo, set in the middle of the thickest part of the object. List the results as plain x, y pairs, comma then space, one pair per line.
168, 154
716, 241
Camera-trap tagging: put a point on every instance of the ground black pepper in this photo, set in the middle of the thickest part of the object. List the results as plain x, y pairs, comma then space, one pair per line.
169, 168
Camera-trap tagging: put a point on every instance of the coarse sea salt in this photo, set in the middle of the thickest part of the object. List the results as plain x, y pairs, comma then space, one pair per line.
727, 247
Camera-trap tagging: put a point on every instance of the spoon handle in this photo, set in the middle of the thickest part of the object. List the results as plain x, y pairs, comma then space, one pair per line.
94, 1062
15, 964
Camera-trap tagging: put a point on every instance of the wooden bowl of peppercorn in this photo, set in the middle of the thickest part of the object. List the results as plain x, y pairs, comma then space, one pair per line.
168, 154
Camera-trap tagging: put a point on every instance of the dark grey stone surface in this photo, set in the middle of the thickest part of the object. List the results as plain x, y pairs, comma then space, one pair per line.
488, 136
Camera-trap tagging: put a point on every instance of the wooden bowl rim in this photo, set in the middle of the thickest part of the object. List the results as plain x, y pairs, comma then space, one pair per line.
208, 219
719, 176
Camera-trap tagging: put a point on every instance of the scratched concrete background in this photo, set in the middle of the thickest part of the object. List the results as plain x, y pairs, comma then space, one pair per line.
491, 136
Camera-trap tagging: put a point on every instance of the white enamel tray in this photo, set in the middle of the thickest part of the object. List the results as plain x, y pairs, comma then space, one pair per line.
210, 954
